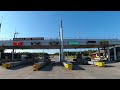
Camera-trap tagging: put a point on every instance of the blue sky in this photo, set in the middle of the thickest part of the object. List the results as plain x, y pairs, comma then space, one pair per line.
90, 24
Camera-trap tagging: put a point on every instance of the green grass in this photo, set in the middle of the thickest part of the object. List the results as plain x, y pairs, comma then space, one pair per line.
70, 57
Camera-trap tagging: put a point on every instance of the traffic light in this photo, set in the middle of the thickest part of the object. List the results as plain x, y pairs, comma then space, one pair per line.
31, 43
54, 43
35, 43
38, 43
50, 43
57, 43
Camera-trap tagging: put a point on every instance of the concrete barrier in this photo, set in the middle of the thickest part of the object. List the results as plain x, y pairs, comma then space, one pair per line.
38, 65
68, 65
16, 63
97, 63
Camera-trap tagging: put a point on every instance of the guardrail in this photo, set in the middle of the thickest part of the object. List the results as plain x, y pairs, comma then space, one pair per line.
8, 65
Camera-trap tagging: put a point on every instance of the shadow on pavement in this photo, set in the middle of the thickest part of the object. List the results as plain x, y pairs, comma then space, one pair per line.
47, 67
76, 66
19, 67
57, 64
110, 62
109, 66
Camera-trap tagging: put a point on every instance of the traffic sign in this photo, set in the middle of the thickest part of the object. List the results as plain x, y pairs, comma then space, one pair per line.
73, 43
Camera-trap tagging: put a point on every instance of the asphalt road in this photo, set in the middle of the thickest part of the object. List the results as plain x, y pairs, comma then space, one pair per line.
56, 71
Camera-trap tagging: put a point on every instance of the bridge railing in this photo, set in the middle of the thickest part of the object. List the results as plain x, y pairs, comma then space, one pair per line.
57, 38
46, 38
5, 39
90, 38
83, 38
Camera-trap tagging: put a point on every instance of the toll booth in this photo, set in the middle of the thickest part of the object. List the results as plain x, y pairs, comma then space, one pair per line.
79, 58
46, 57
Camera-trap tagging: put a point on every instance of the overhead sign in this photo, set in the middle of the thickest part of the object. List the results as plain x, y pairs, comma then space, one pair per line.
34, 38
73, 43
54, 43
91, 41
17, 43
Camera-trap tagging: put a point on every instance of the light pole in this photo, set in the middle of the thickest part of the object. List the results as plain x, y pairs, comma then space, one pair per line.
78, 34
15, 36
13, 48
61, 40
1, 23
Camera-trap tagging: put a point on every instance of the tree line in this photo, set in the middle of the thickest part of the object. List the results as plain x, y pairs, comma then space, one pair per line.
66, 53
73, 53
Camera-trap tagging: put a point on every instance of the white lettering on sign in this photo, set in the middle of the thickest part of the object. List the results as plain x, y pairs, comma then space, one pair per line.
17, 43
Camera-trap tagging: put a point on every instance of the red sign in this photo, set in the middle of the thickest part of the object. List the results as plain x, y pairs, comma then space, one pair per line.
20, 44
17, 43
